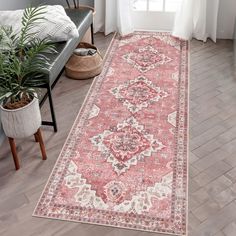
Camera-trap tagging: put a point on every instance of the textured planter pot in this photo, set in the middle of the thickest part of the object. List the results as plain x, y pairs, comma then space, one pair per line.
22, 122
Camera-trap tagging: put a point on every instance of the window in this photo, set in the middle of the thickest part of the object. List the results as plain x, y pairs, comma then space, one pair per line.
156, 5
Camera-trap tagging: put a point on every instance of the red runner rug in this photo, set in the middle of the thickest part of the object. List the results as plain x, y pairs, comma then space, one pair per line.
124, 163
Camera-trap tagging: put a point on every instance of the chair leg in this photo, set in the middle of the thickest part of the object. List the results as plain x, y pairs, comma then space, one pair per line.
92, 34
52, 108
14, 153
41, 143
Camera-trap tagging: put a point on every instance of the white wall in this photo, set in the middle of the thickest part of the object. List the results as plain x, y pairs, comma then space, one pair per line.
18, 4
14, 4
226, 19
63, 2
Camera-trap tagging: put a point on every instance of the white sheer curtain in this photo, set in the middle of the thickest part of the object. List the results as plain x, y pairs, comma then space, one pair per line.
198, 19
113, 15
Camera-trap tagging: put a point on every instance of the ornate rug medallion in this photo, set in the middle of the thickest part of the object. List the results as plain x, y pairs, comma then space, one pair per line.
125, 144
124, 163
146, 58
138, 93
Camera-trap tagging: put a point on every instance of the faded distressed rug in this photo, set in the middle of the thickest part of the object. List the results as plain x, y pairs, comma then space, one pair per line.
124, 163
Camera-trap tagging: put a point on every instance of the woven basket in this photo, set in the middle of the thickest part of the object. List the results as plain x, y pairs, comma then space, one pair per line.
84, 67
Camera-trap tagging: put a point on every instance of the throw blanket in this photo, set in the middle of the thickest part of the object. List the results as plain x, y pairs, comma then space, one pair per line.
57, 26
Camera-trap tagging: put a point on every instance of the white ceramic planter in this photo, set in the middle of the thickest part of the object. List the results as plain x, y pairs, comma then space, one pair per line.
22, 122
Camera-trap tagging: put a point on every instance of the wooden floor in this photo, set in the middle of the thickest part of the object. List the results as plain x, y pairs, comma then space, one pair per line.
212, 175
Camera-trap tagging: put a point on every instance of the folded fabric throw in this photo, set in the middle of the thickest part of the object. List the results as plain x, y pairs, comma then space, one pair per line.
85, 51
56, 25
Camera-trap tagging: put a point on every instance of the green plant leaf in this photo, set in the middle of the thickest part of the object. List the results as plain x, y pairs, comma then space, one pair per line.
24, 63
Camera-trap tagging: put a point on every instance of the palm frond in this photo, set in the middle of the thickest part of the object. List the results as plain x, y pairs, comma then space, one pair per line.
30, 17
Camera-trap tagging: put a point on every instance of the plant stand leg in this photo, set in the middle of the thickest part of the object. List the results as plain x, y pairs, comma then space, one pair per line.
36, 138
41, 143
14, 153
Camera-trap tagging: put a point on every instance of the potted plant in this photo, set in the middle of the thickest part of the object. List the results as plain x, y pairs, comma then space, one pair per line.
22, 68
